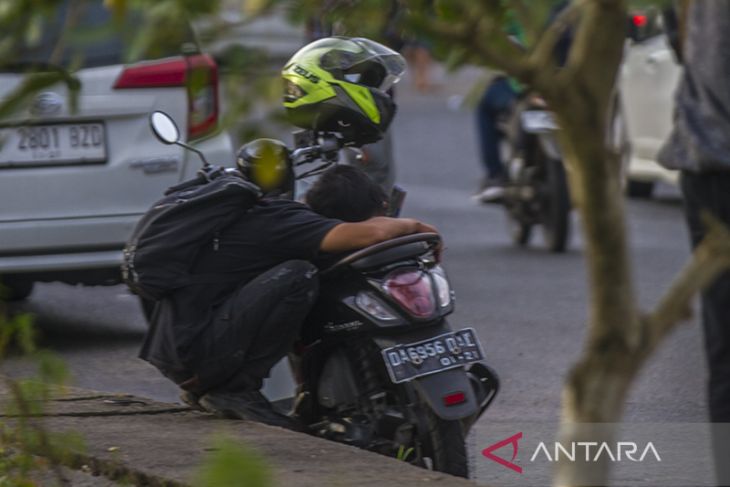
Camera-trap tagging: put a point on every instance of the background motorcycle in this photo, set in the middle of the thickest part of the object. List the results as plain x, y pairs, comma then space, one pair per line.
537, 188
378, 365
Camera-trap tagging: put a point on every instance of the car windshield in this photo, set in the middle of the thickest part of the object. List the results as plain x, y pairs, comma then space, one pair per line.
86, 35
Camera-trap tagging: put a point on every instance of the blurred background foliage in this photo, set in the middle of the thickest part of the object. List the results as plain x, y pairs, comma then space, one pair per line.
251, 89
250, 83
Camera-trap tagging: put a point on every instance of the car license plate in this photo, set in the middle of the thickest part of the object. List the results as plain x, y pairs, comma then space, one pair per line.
535, 121
454, 349
64, 143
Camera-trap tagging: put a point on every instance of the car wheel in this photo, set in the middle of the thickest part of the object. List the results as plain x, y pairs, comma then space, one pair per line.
15, 288
639, 189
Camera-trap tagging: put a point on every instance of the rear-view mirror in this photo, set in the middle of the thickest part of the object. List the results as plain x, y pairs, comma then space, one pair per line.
164, 128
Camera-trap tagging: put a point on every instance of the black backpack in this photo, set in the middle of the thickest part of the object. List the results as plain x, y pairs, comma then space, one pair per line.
164, 245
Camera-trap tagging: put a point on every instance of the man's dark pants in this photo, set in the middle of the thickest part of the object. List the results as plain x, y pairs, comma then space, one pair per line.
711, 192
256, 327
497, 99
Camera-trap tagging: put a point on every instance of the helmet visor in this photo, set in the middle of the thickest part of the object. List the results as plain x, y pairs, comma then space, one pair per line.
361, 61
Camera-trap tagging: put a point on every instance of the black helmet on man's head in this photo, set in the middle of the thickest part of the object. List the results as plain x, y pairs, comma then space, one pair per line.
266, 163
340, 84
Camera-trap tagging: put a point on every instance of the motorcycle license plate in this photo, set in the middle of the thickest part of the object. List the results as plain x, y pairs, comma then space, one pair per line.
447, 351
536, 121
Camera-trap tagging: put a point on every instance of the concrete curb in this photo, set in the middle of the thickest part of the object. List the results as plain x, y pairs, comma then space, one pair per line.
143, 442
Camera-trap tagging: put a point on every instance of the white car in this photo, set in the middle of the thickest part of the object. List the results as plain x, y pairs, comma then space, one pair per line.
648, 80
73, 184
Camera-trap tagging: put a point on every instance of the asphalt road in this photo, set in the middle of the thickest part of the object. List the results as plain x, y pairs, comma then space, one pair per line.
528, 306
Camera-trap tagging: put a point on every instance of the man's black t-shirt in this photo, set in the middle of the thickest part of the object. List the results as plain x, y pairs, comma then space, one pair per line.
272, 232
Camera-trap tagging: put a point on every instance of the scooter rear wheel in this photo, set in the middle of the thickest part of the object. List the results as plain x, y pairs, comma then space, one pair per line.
445, 446
438, 444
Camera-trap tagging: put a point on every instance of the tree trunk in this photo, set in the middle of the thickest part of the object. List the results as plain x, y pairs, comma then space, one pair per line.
581, 93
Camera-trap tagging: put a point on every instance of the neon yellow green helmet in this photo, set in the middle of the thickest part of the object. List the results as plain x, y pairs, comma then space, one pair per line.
340, 84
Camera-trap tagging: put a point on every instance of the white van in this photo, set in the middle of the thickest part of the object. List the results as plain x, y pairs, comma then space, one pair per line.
74, 183
649, 78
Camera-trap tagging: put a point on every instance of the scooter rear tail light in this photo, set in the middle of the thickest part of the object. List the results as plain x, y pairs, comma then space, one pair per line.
197, 73
412, 290
454, 398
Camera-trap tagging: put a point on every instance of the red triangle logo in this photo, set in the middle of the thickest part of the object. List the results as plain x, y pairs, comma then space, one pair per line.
513, 440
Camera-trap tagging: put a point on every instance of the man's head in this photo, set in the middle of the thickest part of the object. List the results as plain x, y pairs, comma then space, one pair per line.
348, 194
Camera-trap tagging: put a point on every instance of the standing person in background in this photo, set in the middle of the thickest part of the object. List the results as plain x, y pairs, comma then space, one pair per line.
418, 54
699, 146
498, 99
415, 48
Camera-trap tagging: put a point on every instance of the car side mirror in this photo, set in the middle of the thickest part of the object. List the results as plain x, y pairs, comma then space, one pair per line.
164, 128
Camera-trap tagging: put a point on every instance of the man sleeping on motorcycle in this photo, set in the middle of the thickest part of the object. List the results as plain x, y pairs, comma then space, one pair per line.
218, 341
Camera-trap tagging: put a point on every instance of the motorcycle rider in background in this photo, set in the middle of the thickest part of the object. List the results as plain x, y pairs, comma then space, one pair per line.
499, 99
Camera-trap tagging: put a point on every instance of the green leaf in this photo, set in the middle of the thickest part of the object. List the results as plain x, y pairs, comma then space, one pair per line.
118, 8
35, 30
451, 10
65, 446
25, 334
233, 464
456, 57
51, 368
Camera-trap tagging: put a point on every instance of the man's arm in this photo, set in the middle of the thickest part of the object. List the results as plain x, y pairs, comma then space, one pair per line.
353, 236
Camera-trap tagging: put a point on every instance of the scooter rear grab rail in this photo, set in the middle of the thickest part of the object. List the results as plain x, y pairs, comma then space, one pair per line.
431, 239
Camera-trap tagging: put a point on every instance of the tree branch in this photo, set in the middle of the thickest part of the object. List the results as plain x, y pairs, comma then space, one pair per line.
475, 35
543, 54
527, 20
710, 259
600, 19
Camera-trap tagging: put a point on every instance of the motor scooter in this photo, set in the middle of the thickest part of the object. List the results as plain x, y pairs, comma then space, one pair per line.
377, 365
536, 191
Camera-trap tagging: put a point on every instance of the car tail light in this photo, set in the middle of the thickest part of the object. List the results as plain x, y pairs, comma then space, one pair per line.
640, 20
202, 95
198, 73
454, 398
412, 290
